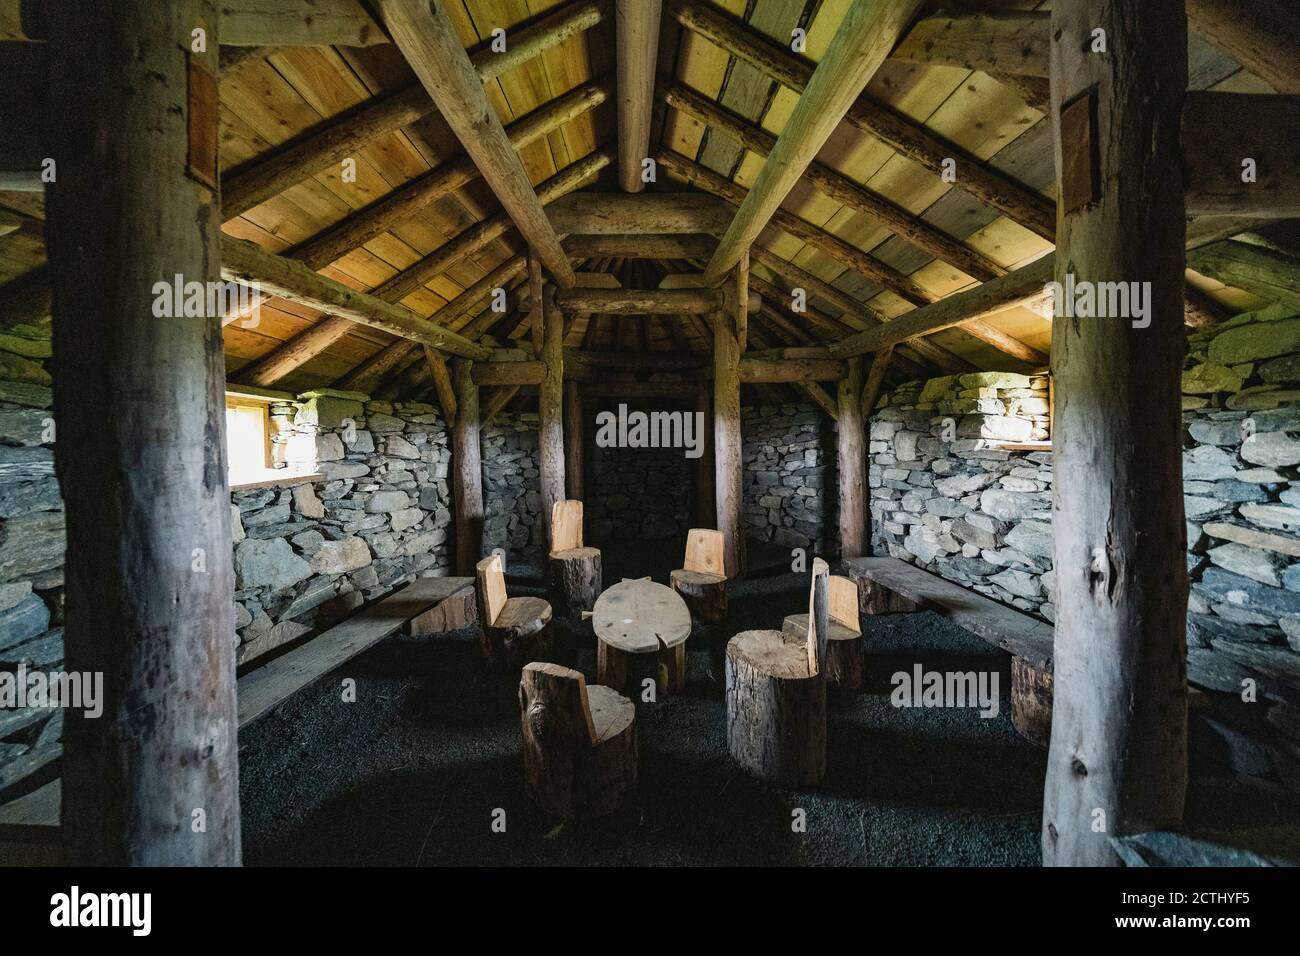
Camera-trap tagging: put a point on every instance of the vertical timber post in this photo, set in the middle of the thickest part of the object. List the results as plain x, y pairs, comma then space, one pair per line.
573, 438
141, 455
466, 469
705, 507
852, 459
550, 407
727, 452
1118, 758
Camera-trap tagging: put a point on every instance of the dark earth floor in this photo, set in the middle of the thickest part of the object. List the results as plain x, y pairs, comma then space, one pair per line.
413, 771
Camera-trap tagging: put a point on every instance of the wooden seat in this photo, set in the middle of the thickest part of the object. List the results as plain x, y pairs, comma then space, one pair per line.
702, 584
776, 696
573, 570
514, 630
580, 755
843, 636
888, 585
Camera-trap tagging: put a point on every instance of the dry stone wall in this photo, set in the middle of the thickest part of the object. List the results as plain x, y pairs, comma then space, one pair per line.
789, 475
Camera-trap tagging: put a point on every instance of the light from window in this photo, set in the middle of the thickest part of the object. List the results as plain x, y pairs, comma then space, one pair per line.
248, 446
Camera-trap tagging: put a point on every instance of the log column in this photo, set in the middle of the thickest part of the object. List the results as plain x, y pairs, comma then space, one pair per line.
1119, 727
550, 407
726, 434
852, 462
573, 439
706, 515
141, 453
466, 469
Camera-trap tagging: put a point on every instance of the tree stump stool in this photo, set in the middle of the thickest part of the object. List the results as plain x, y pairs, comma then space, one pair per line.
580, 755
572, 571
844, 651
641, 617
776, 698
575, 580
1031, 701
515, 630
702, 584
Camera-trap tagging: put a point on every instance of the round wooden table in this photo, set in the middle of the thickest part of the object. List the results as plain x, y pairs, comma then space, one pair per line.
641, 617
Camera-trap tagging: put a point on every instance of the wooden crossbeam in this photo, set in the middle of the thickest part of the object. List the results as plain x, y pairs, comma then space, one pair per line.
646, 214
1261, 35
636, 48
1241, 154
644, 301
1255, 268
298, 23
248, 263
860, 45
1026, 282
640, 246
428, 41
837, 186
1013, 42
911, 139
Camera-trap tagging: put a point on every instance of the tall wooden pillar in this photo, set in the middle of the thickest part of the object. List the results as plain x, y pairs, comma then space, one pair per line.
706, 514
727, 452
573, 439
141, 455
466, 469
550, 407
1118, 759
852, 459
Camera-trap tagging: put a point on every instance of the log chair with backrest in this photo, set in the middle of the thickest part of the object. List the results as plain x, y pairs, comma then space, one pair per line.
702, 584
574, 571
580, 756
515, 630
843, 636
776, 696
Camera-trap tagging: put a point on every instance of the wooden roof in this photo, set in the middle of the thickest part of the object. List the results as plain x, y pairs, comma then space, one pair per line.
273, 98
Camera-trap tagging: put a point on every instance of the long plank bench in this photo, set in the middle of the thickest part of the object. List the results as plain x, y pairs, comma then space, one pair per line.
888, 585
260, 691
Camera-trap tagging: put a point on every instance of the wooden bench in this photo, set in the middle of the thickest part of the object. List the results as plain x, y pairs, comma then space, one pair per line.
888, 585
34, 817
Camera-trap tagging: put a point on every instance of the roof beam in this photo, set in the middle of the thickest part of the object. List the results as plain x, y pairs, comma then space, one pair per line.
896, 219
1261, 35
297, 351
637, 42
428, 41
340, 137
275, 275
298, 23
606, 214
1019, 203
1219, 131
1016, 42
644, 301
641, 246
849, 256
360, 227
1257, 269
1025, 283
864, 38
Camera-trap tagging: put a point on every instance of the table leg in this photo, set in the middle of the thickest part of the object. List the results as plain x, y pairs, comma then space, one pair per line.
611, 666
672, 669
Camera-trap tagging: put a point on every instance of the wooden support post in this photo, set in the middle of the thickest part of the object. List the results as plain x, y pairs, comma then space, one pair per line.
573, 439
1119, 732
141, 454
467, 469
550, 408
852, 462
637, 39
727, 452
706, 514
442, 384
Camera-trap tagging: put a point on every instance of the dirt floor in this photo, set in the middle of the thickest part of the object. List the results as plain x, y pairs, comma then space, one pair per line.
414, 771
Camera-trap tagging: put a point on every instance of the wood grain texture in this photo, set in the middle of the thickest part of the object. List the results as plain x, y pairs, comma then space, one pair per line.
428, 41
637, 47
